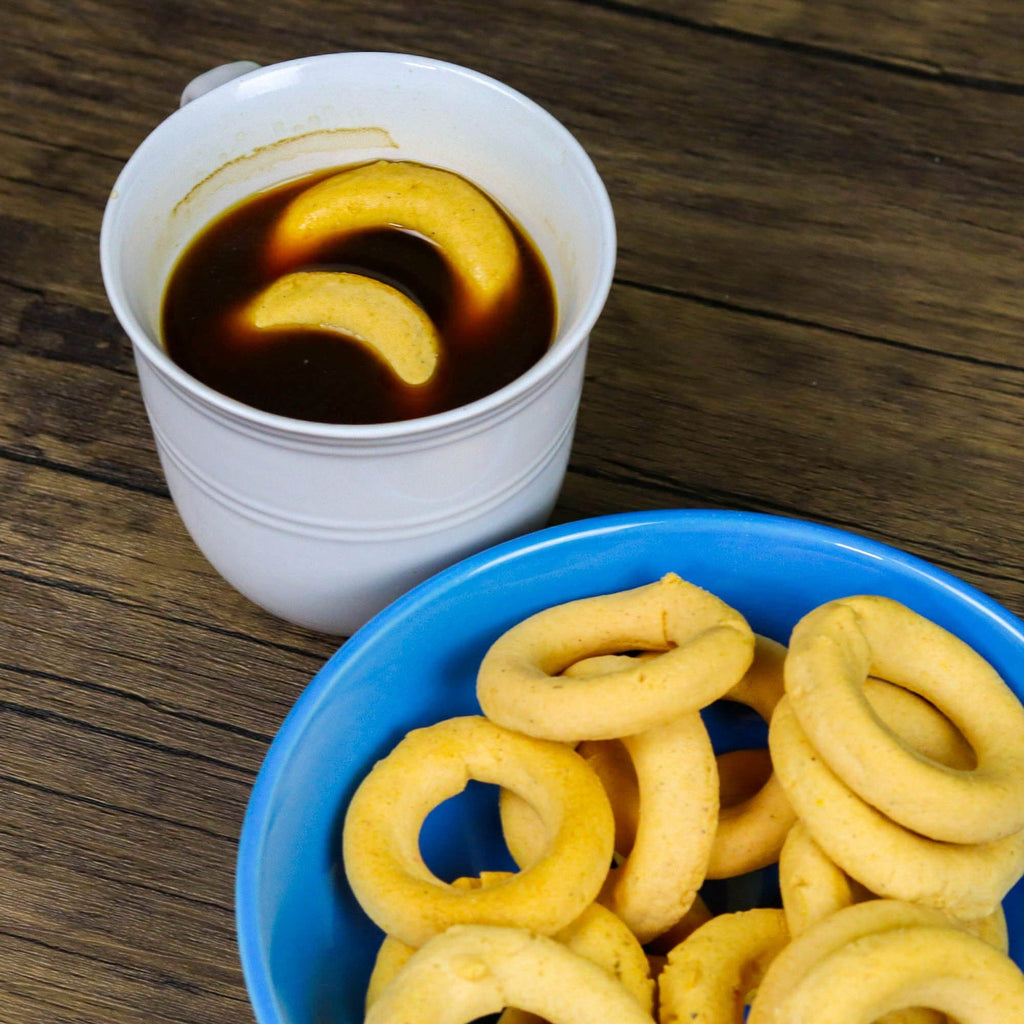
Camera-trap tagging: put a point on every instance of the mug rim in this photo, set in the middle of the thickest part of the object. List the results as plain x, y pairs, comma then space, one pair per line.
556, 356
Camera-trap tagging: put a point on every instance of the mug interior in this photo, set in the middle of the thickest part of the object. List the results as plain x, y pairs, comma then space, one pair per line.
291, 119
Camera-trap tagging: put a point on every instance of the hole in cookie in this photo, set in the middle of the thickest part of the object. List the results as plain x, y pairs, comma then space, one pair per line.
734, 726
462, 836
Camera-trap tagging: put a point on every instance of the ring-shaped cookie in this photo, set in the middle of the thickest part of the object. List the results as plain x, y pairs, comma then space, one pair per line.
522, 829
471, 971
603, 937
678, 780
656, 884
380, 840
966, 881
807, 950
611, 761
751, 833
945, 969
814, 887
750, 830
707, 647
919, 724
596, 934
393, 954
835, 647
710, 975
676, 807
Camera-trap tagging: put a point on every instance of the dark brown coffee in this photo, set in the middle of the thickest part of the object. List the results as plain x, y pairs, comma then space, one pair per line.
315, 375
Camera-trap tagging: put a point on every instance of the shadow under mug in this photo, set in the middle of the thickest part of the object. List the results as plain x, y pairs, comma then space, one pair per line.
325, 524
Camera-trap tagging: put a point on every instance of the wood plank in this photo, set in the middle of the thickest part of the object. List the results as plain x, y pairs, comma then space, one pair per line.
43, 982
68, 991
78, 902
63, 185
910, 446
80, 943
868, 201
87, 716
130, 551
67, 414
98, 842
201, 674
979, 42
907, 446
69, 325
152, 779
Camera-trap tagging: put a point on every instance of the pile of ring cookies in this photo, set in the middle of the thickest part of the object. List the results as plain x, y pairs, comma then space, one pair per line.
891, 796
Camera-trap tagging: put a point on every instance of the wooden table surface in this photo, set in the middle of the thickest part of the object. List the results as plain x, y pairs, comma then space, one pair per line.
817, 312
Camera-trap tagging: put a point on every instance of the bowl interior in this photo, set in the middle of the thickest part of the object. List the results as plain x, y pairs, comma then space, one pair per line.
306, 946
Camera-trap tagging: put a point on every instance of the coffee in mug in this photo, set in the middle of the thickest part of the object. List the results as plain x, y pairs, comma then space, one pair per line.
312, 360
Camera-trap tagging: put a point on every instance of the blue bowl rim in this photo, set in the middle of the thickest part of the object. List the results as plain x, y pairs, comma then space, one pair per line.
307, 704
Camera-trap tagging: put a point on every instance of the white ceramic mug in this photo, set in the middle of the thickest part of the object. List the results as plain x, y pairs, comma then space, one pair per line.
325, 524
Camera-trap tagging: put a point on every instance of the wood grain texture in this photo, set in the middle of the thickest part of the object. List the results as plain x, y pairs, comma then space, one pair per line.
817, 312
979, 45
721, 396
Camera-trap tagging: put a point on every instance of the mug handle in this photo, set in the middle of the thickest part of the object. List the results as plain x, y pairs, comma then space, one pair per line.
219, 75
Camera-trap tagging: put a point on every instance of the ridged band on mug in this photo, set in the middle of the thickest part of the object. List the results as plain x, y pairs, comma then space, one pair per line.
310, 526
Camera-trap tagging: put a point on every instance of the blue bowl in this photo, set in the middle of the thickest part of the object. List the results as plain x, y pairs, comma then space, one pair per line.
306, 947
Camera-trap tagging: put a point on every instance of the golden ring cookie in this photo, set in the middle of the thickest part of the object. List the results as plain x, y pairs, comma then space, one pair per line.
678, 798
919, 724
710, 975
813, 888
811, 947
522, 829
609, 758
596, 934
943, 968
380, 841
470, 971
763, 684
752, 828
601, 936
474, 237
707, 647
812, 885
393, 953
382, 319
835, 647
611, 761
678, 781
967, 881
751, 833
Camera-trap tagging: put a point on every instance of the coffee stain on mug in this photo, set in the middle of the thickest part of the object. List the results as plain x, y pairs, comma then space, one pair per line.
322, 140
